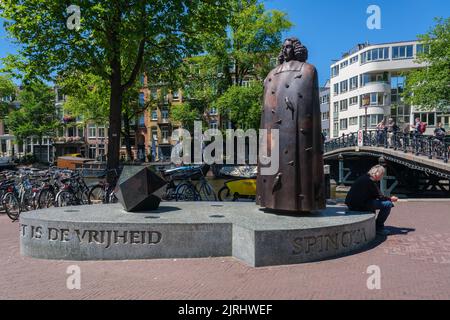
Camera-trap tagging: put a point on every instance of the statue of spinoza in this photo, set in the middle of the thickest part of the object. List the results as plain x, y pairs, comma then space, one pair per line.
291, 105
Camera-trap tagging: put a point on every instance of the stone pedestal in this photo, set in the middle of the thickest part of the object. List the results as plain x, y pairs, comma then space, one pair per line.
193, 230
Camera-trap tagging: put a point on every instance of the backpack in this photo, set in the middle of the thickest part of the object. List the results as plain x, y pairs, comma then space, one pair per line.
422, 127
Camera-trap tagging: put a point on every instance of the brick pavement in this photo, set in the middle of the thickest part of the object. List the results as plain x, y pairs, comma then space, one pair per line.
415, 264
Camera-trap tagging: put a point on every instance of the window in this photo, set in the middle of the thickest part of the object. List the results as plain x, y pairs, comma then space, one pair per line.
80, 131
336, 89
353, 121
336, 110
165, 135
344, 86
344, 105
165, 114
372, 99
344, 64
101, 150
353, 59
141, 99
176, 95
92, 132
335, 71
428, 117
71, 132
372, 120
325, 115
141, 121
353, 101
369, 78
154, 115
420, 48
375, 55
101, 132
336, 129
213, 112
213, 125
344, 124
142, 80
92, 151
354, 83
402, 52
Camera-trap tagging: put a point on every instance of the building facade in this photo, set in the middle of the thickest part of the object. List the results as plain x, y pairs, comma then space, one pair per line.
366, 87
324, 96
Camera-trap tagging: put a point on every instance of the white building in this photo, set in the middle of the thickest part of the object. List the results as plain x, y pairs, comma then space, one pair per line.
369, 80
325, 109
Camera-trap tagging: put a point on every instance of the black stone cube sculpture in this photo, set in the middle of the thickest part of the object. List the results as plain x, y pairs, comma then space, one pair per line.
137, 188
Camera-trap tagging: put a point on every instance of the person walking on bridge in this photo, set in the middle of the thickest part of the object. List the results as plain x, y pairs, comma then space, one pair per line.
365, 195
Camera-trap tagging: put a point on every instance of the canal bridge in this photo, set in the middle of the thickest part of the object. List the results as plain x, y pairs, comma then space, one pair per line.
417, 165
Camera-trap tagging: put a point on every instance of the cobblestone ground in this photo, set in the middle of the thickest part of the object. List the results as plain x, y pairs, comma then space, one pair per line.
414, 264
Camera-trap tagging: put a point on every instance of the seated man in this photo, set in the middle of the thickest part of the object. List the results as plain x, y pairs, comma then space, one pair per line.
366, 196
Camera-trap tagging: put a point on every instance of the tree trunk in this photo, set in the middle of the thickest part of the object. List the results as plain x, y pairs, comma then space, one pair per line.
115, 120
127, 134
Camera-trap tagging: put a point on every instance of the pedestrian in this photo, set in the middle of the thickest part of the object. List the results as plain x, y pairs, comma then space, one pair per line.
381, 131
420, 127
392, 130
365, 195
439, 132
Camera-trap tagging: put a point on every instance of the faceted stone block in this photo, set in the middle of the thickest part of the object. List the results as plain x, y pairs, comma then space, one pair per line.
138, 187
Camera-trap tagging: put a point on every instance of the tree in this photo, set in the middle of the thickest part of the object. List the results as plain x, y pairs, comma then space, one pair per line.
7, 89
117, 40
36, 116
185, 114
429, 87
242, 105
87, 97
244, 50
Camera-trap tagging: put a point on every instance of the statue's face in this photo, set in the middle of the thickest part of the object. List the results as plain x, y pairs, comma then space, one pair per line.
288, 51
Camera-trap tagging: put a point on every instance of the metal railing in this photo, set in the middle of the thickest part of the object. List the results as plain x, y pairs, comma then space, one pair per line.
417, 144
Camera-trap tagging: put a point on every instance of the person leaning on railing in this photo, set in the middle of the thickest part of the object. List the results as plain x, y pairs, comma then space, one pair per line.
365, 195
391, 129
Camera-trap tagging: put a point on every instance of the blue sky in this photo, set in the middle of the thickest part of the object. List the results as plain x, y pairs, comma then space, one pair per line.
331, 27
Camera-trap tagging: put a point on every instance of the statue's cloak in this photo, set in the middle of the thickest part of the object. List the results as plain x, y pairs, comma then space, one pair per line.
291, 104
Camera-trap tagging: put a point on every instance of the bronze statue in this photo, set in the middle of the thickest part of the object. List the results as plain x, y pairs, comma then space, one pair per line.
291, 104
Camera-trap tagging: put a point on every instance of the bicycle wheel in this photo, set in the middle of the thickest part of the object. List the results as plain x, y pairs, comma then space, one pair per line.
26, 201
65, 199
207, 192
97, 195
186, 192
11, 206
46, 199
225, 195
82, 197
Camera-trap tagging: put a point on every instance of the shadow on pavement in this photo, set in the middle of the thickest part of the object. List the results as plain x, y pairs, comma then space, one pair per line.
394, 231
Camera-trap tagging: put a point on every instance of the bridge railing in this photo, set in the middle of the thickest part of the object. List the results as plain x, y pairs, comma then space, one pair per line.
420, 145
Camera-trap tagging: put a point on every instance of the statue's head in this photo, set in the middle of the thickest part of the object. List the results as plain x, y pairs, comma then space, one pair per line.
293, 50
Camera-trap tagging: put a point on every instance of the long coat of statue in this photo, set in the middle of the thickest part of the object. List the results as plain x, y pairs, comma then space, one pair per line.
291, 104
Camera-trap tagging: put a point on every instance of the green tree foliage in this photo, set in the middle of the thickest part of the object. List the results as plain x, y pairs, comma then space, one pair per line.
86, 96
36, 116
429, 87
244, 50
185, 114
7, 89
118, 40
242, 105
